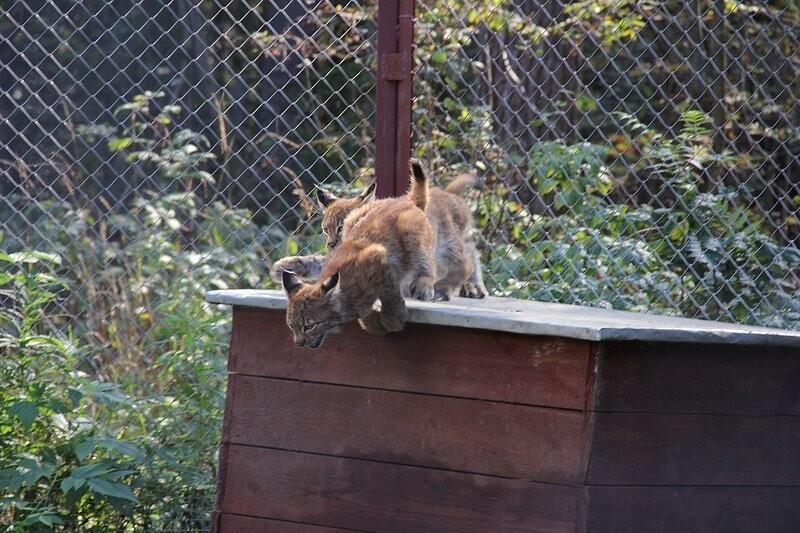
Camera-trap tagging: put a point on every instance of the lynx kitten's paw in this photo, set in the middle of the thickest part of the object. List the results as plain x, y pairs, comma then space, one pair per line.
422, 289
471, 290
394, 321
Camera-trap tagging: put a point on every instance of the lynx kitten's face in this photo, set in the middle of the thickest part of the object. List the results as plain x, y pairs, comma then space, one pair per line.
312, 311
310, 322
332, 224
335, 210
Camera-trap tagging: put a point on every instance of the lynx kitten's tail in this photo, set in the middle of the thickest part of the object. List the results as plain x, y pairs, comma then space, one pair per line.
461, 183
418, 192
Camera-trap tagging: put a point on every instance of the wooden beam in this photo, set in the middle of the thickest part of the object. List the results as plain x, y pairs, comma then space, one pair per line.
393, 95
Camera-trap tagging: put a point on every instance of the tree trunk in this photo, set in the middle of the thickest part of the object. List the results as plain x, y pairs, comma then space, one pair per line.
531, 89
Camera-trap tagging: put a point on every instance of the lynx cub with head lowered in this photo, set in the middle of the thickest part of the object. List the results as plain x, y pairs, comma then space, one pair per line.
387, 251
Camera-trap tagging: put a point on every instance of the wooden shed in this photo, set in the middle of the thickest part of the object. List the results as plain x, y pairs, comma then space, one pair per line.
506, 415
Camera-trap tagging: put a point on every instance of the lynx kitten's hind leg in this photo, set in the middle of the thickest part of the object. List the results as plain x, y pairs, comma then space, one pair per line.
474, 287
459, 269
393, 314
417, 240
372, 324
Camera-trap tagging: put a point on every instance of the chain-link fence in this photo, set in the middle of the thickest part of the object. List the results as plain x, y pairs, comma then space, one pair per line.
634, 155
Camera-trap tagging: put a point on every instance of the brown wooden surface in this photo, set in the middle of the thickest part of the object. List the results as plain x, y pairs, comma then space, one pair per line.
679, 378
373, 496
476, 436
632, 449
690, 509
230, 523
451, 429
433, 359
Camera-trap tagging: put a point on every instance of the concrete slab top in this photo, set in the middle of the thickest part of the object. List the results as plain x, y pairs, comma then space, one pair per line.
527, 317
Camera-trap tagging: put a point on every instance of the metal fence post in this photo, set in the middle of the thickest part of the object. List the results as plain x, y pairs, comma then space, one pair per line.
393, 87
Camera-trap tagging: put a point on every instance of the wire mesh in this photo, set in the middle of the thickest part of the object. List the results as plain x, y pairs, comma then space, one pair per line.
633, 155
636, 155
151, 151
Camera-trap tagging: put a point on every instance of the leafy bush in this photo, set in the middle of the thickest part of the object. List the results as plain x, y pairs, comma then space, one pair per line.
117, 425
699, 253
113, 378
63, 462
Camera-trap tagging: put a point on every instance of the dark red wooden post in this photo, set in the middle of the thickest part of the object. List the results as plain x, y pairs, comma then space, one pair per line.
394, 80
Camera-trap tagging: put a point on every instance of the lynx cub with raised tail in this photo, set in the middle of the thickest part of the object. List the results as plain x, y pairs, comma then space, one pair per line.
457, 259
387, 251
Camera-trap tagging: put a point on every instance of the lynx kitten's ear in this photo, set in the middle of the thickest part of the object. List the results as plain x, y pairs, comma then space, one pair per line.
291, 283
330, 283
325, 198
369, 194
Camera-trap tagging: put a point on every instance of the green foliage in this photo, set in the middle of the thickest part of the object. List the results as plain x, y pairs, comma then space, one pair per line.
115, 426
174, 155
570, 173
700, 253
77, 449
61, 460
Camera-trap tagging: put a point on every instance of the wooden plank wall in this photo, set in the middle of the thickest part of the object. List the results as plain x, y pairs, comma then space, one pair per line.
449, 429
436, 429
695, 438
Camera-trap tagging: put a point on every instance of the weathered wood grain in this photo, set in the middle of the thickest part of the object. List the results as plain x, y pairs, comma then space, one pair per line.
685, 378
371, 496
450, 429
508, 440
633, 449
708, 509
434, 359
231, 523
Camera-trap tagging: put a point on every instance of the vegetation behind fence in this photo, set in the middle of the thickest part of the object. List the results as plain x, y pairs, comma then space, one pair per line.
632, 155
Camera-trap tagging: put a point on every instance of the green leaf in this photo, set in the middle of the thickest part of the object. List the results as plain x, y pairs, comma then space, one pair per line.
72, 483
32, 257
117, 143
50, 519
33, 470
91, 470
123, 447
25, 411
75, 396
47, 517
440, 56
112, 489
84, 448
106, 393
11, 479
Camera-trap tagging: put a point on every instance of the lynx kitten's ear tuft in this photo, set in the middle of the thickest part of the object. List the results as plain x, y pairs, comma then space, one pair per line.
330, 283
369, 194
325, 198
291, 283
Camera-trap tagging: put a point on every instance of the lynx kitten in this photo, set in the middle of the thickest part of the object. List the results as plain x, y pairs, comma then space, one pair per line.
457, 259
387, 251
